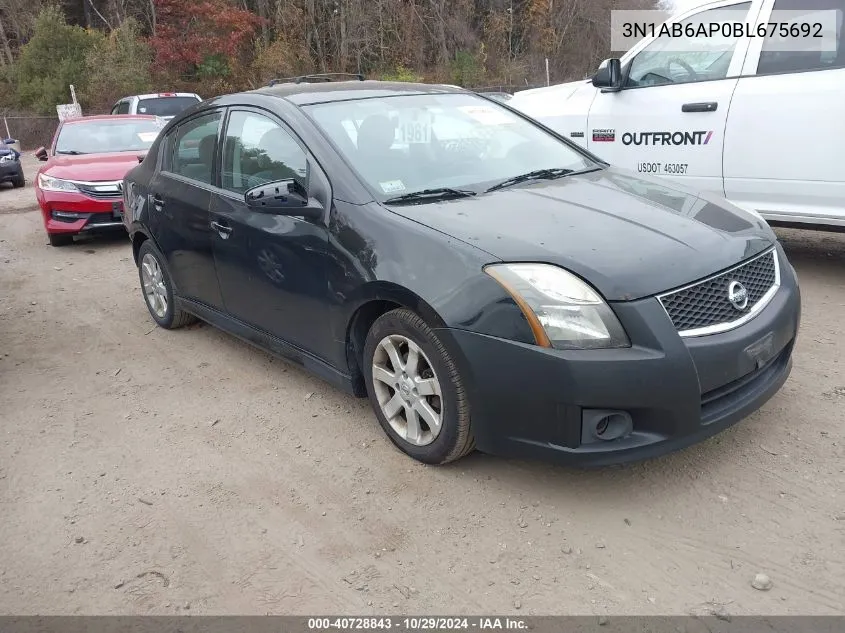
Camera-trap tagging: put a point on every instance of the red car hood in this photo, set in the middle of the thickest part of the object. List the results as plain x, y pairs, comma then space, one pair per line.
90, 167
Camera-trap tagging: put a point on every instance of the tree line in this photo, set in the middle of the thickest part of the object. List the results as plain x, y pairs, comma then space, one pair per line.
110, 48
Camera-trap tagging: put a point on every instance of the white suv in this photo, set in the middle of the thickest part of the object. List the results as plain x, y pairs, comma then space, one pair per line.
164, 104
763, 128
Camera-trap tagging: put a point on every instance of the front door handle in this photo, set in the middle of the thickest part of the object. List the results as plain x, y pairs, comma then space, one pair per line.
707, 106
222, 230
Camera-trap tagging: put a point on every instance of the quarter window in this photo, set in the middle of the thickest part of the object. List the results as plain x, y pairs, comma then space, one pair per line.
673, 60
792, 61
258, 150
123, 107
195, 148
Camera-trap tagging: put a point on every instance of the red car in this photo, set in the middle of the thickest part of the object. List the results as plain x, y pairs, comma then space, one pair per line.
80, 188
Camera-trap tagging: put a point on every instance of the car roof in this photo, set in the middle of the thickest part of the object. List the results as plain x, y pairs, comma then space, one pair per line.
111, 117
321, 92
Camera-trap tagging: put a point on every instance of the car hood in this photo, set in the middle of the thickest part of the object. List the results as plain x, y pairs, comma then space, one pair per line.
546, 97
629, 236
91, 167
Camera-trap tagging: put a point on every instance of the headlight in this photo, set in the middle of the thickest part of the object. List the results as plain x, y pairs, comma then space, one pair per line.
564, 312
49, 183
7, 158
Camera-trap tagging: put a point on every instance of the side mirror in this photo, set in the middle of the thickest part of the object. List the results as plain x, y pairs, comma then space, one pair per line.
285, 197
609, 75
41, 153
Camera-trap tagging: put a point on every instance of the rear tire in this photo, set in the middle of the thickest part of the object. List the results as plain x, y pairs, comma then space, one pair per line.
415, 389
60, 239
157, 289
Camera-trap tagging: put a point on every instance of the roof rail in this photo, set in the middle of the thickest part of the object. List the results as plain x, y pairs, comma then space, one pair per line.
314, 78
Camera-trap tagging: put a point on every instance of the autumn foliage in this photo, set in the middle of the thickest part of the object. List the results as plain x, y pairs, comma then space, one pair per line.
194, 34
110, 48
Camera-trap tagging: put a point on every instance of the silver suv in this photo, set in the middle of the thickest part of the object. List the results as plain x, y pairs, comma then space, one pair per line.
163, 104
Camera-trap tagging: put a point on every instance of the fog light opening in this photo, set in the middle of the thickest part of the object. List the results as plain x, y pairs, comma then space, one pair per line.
605, 426
601, 427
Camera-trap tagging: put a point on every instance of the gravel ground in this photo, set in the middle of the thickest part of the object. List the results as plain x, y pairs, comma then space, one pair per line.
152, 472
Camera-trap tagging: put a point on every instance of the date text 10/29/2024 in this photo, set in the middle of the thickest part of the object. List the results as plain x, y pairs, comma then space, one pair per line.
416, 624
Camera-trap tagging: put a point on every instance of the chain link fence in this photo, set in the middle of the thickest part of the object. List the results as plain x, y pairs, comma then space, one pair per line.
30, 131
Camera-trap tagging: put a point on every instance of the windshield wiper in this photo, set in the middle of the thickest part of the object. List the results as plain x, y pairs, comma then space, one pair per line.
72, 152
539, 174
431, 195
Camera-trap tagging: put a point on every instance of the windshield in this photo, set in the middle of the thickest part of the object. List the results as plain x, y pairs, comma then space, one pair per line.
406, 144
100, 136
165, 106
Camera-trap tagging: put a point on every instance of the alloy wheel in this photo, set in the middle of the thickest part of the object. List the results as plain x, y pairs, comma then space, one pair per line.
407, 390
155, 291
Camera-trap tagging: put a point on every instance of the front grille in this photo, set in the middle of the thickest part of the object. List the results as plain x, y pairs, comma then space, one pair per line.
102, 218
101, 190
705, 304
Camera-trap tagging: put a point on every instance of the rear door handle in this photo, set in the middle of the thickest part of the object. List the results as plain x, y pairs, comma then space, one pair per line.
158, 203
707, 106
223, 230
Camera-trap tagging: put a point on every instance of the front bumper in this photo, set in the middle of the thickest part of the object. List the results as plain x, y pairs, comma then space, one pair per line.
10, 171
528, 401
94, 215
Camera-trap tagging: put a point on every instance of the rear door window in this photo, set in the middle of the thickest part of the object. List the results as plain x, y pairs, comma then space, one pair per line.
773, 59
195, 148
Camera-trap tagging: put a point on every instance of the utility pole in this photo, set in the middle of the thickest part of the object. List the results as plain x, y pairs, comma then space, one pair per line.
86, 10
510, 33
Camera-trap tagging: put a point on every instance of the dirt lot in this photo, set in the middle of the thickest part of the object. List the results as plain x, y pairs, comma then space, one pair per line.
145, 471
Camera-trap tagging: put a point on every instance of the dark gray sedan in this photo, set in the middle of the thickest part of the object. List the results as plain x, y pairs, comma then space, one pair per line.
485, 282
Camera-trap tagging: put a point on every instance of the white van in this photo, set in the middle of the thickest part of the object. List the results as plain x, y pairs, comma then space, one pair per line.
763, 128
163, 104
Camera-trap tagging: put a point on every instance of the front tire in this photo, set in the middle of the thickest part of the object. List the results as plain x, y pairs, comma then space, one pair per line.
19, 182
415, 389
157, 289
60, 239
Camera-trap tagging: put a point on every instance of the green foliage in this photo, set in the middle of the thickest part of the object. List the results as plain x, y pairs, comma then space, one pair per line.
467, 69
401, 73
52, 60
7, 92
213, 67
117, 66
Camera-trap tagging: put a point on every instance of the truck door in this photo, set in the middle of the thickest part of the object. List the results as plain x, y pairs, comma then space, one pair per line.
783, 143
669, 118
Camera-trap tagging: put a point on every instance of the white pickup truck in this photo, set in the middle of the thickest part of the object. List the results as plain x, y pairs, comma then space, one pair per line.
759, 125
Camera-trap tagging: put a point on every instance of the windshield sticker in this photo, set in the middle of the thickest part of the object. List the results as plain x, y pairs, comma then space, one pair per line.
415, 127
392, 186
486, 115
147, 137
604, 136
